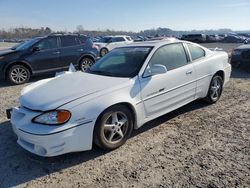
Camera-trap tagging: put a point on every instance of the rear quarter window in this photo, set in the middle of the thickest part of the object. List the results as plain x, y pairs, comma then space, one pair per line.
196, 52
67, 41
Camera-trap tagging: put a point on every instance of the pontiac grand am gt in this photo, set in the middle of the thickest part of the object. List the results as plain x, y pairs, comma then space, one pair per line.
129, 86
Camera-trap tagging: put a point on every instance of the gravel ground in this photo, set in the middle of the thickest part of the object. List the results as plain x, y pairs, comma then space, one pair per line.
197, 145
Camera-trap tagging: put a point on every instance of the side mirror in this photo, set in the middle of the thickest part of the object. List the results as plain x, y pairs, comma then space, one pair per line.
154, 70
35, 49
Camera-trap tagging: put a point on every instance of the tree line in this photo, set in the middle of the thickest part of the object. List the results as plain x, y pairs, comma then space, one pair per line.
24, 32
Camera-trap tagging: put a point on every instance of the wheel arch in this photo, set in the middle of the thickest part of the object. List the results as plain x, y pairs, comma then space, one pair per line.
127, 105
86, 56
221, 74
23, 63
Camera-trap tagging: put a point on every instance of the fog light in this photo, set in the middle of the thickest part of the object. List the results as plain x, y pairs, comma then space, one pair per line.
40, 150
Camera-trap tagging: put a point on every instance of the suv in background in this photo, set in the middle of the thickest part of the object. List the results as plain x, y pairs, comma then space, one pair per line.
197, 38
108, 43
46, 54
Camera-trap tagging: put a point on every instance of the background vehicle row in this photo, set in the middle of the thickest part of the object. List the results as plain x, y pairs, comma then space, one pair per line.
46, 54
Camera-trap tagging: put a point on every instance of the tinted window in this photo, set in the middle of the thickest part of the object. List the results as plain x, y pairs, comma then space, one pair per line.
195, 51
172, 56
83, 39
128, 38
48, 43
105, 39
121, 62
69, 41
118, 39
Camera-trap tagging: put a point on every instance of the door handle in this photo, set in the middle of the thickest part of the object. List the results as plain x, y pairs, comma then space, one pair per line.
57, 52
189, 72
162, 89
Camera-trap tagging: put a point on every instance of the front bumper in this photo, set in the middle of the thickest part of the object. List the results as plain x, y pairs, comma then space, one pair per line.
50, 141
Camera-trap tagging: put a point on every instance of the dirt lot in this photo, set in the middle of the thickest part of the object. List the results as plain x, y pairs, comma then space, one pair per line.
197, 145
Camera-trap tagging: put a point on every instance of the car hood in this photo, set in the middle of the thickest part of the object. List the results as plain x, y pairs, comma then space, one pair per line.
51, 93
6, 52
243, 47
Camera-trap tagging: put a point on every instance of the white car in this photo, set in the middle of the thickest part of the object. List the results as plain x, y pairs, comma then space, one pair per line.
108, 43
123, 90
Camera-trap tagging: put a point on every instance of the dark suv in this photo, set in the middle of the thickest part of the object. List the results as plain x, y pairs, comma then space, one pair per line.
46, 54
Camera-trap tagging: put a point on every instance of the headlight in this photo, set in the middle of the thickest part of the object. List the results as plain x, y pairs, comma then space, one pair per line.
56, 117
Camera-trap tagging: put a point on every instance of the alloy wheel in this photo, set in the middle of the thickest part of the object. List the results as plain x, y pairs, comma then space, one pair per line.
86, 64
19, 75
115, 127
215, 89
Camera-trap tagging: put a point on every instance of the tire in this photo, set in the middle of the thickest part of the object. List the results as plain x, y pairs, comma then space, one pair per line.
85, 64
18, 74
214, 90
235, 64
113, 127
103, 52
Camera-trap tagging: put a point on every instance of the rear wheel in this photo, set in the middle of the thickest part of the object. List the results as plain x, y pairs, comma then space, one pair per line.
103, 52
18, 74
113, 127
215, 89
85, 64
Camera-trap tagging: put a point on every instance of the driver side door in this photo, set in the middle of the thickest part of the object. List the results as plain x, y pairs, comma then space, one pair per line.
46, 57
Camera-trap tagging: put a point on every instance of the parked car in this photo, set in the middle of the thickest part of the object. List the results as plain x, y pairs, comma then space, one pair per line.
247, 41
130, 86
108, 43
233, 39
197, 38
46, 54
240, 55
214, 38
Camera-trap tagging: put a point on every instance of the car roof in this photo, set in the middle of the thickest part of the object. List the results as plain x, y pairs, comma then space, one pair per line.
117, 36
243, 47
154, 43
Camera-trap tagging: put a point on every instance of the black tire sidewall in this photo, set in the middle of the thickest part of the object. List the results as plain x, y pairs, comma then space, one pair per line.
209, 98
102, 50
10, 80
99, 138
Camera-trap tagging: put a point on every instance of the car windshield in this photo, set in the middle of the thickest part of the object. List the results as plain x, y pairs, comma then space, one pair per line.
121, 62
105, 39
25, 45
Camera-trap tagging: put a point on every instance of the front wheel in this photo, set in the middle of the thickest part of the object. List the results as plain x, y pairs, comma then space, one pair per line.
85, 64
113, 127
215, 89
18, 74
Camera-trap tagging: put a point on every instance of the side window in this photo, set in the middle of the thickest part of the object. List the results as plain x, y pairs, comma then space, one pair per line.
69, 41
195, 51
128, 38
83, 39
172, 56
47, 43
118, 39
